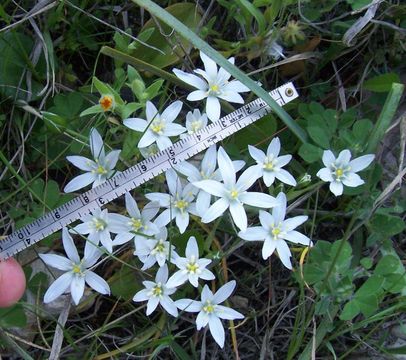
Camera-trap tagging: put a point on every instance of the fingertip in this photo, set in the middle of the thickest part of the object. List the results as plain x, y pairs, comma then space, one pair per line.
12, 282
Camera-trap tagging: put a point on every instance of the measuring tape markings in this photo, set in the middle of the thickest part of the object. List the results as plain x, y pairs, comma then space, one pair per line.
141, 172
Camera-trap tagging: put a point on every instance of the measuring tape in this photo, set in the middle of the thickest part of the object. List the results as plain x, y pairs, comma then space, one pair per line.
142, 172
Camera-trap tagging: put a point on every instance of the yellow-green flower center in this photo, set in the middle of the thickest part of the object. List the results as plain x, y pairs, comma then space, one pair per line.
339, 172
181, 204
214, 88
136, 224
100, 170
195, 125
157, 290
208, 307
99, 224
192, 267
77, 269
276, 232
159, 248
269, 165
158, 126
234, 194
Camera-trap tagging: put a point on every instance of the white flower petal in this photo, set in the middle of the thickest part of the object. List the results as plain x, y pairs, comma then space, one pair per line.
297, 238
206, 294
325, 174
231, 96
96, 144
112, 158
202, 202
274, 147
279, 211
69, 246
284, 253
266, 219
217, 330
224, 292
227, 313
258, 199
215, 210
164, 218
209, 66
81, 162
209, 161
141, 295
211, 186
97, 283
58, 287
352, 180
285, 177
207, 275
188, 305
163, 142
361, 162
151, 112
248, 177
174, 129
239, 215
256, 154
177, 279
162, 274
168, 304
268, 248
57, 261
202, 320
150, 210
191, 79
293, 223
131, 206
226, 168
136, 124
164, 200
197, 95
344, 157
79, 182
172, 111
182, 221
255, 233
77, 288
123, 238
283, 160
336, 188
269, 178
213, 108
191, 248
152, 305
235, 85
328, 158
189, 170
147, 139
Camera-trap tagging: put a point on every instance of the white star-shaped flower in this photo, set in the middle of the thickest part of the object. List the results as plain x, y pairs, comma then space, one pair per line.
157, 250
77, 271
206, 171
269, 166
138, 224
274, 230
98, 227
178, 203
158, 127
158, 292
98, 170
210, 311
215, 85
195, 121
342, 171
190, 267
233, 194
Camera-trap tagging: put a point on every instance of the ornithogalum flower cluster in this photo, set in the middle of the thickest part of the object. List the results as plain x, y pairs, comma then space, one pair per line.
161, 226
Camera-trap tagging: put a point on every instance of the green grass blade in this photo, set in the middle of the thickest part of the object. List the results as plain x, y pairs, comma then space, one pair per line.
171, 21
386, 116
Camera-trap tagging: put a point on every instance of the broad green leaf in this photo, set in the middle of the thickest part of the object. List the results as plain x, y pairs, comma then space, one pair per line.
387, 225
389, 264
95, 109
373, 285
350, 311
13, 316
381, 83
319, 136
367, 304
310, 153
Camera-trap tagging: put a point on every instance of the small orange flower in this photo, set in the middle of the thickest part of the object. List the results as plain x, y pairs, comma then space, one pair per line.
106, 102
